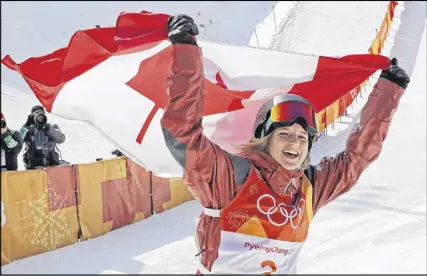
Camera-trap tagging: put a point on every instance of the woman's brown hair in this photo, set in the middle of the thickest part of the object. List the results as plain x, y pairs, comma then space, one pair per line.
262, 145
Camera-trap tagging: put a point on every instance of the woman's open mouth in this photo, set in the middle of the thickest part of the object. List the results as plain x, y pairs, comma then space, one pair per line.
290, 154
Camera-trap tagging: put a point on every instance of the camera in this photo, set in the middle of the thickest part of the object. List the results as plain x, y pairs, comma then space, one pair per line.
3, 123
40, 118
117, 153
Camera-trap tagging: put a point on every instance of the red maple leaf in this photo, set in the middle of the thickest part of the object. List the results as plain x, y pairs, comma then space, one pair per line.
150, 81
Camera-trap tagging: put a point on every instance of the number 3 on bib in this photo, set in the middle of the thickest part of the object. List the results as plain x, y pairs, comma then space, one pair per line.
270, 264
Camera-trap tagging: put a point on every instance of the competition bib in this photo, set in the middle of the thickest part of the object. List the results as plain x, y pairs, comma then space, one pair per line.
263, 232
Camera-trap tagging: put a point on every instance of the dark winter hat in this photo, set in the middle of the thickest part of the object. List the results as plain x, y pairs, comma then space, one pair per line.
37, 108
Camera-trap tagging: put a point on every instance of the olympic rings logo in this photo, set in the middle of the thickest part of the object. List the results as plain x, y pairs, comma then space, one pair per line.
296, 211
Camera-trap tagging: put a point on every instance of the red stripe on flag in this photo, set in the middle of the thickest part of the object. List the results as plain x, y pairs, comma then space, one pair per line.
336, 77
47, 75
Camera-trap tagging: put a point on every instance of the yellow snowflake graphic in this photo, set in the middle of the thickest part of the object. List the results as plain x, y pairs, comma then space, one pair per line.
50, 227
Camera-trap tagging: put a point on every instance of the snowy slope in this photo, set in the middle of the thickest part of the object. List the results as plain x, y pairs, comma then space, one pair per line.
327, 28
378, 227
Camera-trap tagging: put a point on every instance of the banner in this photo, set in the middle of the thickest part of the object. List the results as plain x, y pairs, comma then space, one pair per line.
50, 208
38, 212
125, 69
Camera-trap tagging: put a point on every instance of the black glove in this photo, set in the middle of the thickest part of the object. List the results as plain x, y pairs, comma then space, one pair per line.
396, 74
180, 29
30, 121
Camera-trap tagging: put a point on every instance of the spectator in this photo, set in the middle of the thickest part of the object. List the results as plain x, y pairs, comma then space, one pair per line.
41, 139
11, 146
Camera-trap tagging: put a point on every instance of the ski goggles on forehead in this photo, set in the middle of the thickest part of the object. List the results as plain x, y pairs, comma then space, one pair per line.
284, 110
289, 111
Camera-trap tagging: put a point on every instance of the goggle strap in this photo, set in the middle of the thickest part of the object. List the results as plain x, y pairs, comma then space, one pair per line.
267, 125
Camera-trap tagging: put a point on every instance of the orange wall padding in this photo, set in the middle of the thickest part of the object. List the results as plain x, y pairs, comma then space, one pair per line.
50, 208
38, 212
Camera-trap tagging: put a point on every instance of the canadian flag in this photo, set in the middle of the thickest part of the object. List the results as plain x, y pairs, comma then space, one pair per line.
115, 79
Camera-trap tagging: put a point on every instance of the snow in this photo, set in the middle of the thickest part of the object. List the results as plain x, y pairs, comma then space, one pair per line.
377, 227
309, 27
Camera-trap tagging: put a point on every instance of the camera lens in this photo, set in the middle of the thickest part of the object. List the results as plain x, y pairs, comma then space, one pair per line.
40, 119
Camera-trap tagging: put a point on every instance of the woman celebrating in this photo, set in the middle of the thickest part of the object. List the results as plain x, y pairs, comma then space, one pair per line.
258, 204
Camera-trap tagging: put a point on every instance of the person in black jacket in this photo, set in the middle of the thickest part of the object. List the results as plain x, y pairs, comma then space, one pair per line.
11, 146
41, 138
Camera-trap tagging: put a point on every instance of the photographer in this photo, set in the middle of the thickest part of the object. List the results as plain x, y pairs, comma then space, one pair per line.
40, 140
11, 146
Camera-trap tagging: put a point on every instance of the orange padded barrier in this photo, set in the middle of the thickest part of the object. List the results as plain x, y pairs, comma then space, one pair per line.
113, 193
168, 193
38, 212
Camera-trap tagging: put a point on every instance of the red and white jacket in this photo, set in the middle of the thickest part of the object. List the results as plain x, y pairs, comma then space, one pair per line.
236, 238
